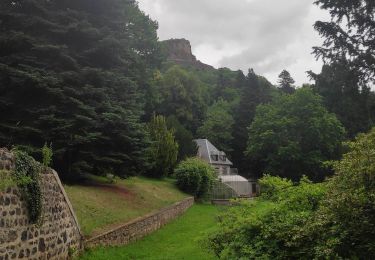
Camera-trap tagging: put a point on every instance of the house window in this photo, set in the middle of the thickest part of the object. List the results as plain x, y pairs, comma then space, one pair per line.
223, 157
214, 157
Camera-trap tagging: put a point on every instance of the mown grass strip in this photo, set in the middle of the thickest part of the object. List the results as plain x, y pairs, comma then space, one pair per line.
178, 240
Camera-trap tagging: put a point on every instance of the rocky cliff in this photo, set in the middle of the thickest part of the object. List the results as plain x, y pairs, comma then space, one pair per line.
179, 51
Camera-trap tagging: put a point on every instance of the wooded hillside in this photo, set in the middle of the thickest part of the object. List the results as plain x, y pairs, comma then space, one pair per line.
87, 76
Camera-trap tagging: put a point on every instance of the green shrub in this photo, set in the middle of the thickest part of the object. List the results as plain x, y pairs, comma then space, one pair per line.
271, 187
195, 177
47, 154
344, 225
264, 229
331, 220
110, 178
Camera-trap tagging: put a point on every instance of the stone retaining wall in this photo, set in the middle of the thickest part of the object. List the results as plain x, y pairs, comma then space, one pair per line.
56, 237
140, 227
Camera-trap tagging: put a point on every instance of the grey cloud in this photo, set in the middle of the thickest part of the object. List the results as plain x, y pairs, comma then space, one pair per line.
268, 35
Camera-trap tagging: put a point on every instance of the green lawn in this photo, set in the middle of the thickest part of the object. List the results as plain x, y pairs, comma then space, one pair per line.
100, 206
177, 240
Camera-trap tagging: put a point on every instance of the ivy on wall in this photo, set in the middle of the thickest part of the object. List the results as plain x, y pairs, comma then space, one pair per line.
27, 176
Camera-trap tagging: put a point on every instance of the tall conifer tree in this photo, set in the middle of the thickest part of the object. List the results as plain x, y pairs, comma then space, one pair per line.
286, 82
70, 73
349, 34
253, 94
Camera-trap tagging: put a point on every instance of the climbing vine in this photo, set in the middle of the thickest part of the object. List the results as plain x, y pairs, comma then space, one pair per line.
27, 176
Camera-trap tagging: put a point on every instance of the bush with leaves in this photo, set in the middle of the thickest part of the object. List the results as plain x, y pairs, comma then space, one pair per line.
195, 177
47, 154
344, 226
272, 186
331, 220
264, 229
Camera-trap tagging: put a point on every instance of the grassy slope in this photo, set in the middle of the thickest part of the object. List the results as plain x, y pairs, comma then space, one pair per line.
177, 240
101, 206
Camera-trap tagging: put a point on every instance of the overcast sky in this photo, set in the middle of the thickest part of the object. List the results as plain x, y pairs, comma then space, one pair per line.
267, 35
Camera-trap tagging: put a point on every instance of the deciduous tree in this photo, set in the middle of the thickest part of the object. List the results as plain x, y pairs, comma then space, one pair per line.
182, 96
254, 91
218, 125
294, 135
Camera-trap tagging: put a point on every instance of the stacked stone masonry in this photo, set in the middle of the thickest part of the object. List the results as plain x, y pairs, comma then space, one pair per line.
140, 227
57, 235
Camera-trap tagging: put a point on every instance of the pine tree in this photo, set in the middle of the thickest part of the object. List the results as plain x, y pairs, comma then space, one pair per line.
286, 82
346, 95
70, 73
348, 53
186, 146
163, 151
253, 94
349, 34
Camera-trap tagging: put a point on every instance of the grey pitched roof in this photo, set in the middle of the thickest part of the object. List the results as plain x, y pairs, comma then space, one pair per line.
205, 149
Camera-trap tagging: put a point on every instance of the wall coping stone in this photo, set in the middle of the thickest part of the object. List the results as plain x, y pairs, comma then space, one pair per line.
91, 240
55, 174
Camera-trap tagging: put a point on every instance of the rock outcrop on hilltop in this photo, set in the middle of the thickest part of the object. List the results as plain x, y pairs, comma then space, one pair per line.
179, 51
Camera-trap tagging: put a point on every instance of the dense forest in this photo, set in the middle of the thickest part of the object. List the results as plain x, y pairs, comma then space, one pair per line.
87, 77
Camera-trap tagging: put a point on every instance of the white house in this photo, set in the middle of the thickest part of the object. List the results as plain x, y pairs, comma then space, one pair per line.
213, 156
223, 166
